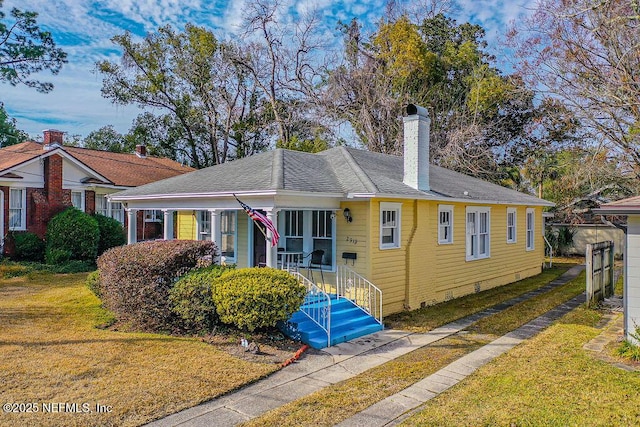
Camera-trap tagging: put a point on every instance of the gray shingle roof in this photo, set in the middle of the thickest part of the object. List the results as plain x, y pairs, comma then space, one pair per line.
339, 170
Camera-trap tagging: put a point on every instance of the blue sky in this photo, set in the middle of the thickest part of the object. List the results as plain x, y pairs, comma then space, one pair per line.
83, 28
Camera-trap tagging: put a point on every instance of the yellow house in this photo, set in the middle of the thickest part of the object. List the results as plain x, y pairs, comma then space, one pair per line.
420, 233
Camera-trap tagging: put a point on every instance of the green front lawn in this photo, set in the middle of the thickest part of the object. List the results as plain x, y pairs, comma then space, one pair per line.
549, 380
52, 352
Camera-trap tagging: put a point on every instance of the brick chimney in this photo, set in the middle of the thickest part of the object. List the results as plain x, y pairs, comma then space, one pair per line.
416, 147
141, 151
52, 138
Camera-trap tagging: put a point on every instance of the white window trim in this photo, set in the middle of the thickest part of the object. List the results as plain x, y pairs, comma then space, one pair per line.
234, 234
307, 235
477, 210
441, 239
513, 211
83, 205
203, 216
387, 206
23, 213
530, 243
154, 216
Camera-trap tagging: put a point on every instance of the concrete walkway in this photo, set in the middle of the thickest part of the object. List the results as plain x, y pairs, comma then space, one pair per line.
319, 369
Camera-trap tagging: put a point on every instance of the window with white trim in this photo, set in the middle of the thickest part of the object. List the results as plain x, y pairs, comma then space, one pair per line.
228, 229
17, 209
478, 233
322, 232
445, 224
113, 210
294, 231
390, 221
511, 225
153, 215
204, 225
530, 229
77, 200
306, 231
102, 205
116, 211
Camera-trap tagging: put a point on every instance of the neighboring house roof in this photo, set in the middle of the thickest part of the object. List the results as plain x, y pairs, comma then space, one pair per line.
339, 171
620, 207
123, 170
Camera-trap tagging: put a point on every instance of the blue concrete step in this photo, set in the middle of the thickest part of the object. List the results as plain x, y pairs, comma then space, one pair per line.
348, 322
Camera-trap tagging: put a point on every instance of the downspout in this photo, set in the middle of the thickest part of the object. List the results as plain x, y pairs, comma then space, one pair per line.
407, 270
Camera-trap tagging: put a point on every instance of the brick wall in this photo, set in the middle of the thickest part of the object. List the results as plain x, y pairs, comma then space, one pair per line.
90, 202
53, 182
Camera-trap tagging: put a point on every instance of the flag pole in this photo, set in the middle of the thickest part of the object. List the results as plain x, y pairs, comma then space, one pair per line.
253, 220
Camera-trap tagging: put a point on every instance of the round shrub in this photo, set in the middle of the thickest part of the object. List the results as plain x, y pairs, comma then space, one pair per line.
76, 232
192, 301
28, 246
251, 298
112, 233
135, 280
93, 282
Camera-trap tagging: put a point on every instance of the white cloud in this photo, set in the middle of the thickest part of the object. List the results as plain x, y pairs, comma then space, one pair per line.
83, 28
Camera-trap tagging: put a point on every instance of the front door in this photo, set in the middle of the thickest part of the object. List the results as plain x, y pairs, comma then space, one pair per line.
259, 245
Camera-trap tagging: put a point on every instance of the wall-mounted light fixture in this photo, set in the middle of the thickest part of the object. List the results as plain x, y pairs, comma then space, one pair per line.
347, 214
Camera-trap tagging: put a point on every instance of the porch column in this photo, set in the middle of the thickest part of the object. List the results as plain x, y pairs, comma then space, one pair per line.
132, 226
168, 224
272, 251
216, 235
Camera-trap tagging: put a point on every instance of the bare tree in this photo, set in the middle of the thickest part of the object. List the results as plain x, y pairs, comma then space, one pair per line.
587, 54
281, 59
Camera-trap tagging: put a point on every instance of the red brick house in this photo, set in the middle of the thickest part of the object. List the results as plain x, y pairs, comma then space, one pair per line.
38, 180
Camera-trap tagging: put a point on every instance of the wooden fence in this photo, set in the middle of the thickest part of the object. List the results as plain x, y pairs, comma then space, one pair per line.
599, 258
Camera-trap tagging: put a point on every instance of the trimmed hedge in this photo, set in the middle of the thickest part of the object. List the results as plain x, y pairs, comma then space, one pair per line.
93, 283
74, 231
251, 298
192, 301
28, 246
112, 233
135, 280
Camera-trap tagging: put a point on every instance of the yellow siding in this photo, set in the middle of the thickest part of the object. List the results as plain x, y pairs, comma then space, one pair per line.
186, 225
423, 272
353, 236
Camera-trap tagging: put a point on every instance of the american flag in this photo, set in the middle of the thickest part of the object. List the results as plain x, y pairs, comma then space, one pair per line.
257, 216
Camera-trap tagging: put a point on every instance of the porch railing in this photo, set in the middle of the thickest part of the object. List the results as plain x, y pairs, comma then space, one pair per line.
362, 292
316, 305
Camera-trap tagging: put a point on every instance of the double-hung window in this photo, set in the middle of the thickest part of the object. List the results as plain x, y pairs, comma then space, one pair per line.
445, 224
111, 209
153, 215
530, 229
17, 209
204, 225
511, 225
77, 200
478, 232
390, 221
228, 221
322, 232
294, 231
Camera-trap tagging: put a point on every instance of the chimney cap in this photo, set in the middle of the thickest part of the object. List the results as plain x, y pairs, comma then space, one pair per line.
413, 109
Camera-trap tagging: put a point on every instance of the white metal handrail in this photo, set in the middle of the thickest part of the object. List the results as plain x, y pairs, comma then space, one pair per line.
316, 305
550, 251
362, 292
